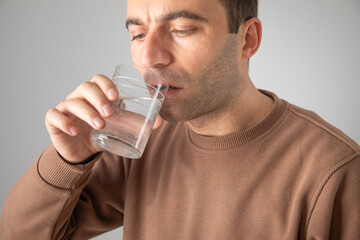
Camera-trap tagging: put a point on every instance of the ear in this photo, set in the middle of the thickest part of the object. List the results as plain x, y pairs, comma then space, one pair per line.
250, 32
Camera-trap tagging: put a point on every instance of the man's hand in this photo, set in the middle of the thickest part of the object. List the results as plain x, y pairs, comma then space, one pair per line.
70, 124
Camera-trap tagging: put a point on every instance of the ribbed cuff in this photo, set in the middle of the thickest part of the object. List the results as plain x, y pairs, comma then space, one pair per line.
61, 174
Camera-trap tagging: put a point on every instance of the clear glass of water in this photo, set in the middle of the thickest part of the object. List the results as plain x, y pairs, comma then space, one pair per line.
141, 94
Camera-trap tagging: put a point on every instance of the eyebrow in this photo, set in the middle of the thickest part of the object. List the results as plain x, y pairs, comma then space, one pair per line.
169, 17
182, 14
133, 21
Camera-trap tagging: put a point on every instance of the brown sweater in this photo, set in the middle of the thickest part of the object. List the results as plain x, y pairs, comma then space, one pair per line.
293, 176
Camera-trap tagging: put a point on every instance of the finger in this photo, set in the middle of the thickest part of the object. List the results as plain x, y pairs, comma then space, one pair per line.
107, 86
93, 95
55, 119
158, 122
82, 110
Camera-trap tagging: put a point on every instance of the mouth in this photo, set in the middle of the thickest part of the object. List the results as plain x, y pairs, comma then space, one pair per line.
163, 87
172, 91
172, 87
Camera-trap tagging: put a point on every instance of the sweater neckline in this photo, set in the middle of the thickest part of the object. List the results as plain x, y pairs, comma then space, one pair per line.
242, 137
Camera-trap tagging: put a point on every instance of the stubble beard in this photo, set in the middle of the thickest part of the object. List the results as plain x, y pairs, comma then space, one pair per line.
213, 91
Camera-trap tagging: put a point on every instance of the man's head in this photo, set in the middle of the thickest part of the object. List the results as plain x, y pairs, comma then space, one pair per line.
189, 43
238, 11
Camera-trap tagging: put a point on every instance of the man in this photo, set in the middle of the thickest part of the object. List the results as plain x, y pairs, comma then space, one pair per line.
227, 162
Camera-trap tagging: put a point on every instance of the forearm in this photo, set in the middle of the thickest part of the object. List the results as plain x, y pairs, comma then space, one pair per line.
43, 199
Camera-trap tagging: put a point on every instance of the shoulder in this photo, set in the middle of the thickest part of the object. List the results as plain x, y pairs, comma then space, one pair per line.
313, 144
316, 123
315, 134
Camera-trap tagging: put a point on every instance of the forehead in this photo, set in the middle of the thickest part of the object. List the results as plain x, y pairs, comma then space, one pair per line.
153, 9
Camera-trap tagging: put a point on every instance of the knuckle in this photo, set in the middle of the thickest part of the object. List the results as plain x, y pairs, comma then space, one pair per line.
72, 100
80, 107
85, 85
71, 95
79, 90
103, 82
60, 106
49, 113
97, 77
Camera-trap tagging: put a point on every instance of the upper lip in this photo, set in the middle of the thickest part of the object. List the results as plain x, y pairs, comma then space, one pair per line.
170, 86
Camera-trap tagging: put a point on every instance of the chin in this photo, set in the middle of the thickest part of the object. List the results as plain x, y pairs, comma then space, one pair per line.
170, 117
170, 114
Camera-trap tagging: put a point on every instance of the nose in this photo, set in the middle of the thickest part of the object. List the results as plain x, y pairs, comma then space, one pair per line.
154, 52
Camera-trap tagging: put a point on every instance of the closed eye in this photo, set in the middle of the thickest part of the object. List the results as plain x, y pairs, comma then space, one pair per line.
138, 37
184, 33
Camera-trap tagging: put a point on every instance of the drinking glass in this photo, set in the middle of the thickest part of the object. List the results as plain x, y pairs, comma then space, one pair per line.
141, 94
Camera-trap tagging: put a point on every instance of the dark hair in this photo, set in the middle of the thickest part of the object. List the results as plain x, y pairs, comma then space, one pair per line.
238, 11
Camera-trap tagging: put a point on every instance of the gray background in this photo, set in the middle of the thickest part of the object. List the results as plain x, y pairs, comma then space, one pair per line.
309, 56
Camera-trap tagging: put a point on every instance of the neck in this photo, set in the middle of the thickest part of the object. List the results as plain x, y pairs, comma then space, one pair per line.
249, 109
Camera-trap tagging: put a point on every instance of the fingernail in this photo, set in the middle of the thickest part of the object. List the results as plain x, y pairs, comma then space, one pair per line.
73, 130
112, 94
99, 122
108, 109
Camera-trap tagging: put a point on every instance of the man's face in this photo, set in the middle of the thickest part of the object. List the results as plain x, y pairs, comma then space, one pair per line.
188, 43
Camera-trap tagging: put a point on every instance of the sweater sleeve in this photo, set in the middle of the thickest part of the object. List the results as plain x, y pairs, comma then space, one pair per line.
336, 212
55, 200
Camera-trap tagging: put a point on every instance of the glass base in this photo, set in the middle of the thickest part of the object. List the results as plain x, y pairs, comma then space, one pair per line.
116, 145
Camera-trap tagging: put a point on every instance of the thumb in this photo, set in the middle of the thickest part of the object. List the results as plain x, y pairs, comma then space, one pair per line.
158, 122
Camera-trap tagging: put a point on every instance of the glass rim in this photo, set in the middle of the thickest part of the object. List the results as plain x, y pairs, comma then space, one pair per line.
158, 88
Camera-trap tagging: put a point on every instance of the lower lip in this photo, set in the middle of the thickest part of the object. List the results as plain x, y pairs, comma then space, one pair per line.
172, 92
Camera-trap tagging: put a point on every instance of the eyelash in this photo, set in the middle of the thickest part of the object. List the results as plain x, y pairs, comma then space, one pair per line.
138, 37
184, 33
180, 33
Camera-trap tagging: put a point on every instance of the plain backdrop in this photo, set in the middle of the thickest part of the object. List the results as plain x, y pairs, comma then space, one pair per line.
309, 56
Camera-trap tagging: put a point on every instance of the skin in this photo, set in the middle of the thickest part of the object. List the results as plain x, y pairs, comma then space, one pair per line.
188, 43
197, 55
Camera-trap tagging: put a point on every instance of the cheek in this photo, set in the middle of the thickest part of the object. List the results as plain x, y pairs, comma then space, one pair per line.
194, 57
